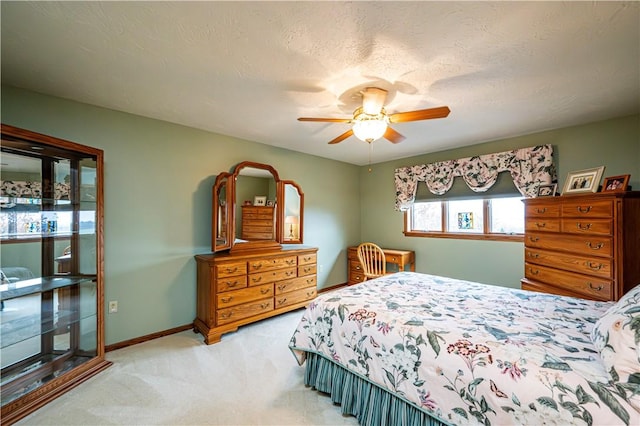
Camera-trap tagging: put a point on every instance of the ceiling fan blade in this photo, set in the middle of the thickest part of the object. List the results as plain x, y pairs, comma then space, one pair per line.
373, 100
328, 120
393, 136
421, 114
342, 137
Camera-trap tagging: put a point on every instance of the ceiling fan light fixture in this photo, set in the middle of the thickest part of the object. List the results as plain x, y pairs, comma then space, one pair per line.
369, 128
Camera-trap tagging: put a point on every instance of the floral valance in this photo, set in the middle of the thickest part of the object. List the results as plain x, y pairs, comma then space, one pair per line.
529, 168
26, 189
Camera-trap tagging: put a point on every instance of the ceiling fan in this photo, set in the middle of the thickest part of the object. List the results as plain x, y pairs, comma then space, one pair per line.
371, 121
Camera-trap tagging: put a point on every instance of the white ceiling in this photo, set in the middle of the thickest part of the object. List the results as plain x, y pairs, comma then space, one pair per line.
250, 69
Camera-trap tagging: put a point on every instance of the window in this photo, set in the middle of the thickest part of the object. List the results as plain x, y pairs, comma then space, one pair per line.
491, 219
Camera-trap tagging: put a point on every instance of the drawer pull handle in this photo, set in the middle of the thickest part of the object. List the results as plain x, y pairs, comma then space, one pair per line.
230, 271
281, 301
306, 259
534, 255
264, 305
291, 262
600, 287
540, 211
585, 210
256, 280
225, 315
536, 272
281, 287
290, 273
583, 228
256, 266
310, 293
232, 284
265, 290
541, 225
308, 270
358, 267
310, 280
227, 299
595, 247
596, 266
534, 239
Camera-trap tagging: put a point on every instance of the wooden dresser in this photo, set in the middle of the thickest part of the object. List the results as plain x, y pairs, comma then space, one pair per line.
258, 223
400, 258
238, 289
584, 246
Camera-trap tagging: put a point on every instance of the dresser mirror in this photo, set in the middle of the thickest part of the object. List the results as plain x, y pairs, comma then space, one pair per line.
253, 209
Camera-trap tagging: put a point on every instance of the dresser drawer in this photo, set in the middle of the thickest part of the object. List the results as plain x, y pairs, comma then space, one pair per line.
306, 270
355, 266
598, 288
272, 263
246, 310
356, 277
248, 294
542, 210
231, 269
592, 245
255, 215
587, 226
271, 276
232, 283
297, 296
543, 224
599, 266
306, 259
295, 284
587, 208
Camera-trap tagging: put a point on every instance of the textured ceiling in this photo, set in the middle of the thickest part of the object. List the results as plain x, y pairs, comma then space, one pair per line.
249, 69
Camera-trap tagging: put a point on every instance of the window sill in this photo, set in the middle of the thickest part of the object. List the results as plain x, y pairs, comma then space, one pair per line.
461, 236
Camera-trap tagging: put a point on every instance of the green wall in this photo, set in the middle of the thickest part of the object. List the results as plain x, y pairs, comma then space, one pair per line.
158, 179
612, 143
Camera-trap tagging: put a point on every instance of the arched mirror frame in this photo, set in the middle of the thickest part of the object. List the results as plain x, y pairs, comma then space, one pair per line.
227, 181
291, 233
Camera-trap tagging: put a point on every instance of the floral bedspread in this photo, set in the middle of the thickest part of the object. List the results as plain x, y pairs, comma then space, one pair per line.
469, 353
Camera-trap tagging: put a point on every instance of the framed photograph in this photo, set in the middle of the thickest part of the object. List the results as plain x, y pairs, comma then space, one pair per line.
615, 183
271, 203
547, 190
260, 200
580, 181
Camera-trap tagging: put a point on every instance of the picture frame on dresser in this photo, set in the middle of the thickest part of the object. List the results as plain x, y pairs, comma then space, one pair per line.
615, 183
547, 190
583, 181
260, 200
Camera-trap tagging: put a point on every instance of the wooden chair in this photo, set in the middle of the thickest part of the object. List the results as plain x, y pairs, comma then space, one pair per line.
372, 260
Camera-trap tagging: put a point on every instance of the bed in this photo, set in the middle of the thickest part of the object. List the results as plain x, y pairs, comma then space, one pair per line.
419, 349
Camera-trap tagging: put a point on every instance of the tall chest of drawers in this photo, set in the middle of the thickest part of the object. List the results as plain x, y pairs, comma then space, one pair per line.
238, 289
584, 246
258, 223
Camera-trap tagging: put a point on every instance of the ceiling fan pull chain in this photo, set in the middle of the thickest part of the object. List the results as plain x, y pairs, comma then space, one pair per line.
370, 148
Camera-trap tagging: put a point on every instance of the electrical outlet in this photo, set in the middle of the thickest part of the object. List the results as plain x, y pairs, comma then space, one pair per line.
320, 268
113, 306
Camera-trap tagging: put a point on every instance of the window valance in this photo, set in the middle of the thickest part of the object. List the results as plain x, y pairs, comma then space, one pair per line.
529, 168
26, 189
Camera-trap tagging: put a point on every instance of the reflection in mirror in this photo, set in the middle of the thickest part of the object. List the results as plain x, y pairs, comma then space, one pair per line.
255, 205
221, 210
293, 203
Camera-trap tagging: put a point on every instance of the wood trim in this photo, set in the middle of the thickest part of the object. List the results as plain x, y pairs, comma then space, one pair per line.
486, 237
147, 337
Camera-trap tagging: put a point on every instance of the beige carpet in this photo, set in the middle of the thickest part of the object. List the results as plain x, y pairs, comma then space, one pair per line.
249, 378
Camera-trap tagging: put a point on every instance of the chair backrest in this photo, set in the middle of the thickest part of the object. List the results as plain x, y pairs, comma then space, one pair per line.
372, 259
